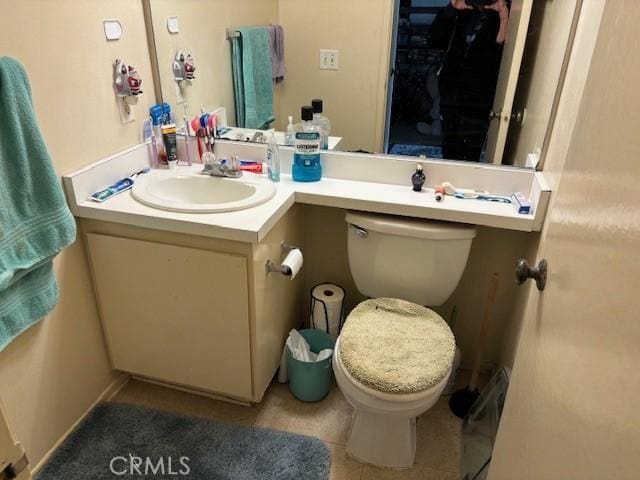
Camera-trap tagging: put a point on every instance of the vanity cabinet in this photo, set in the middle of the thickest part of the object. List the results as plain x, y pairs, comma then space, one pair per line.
193, 311
173, 312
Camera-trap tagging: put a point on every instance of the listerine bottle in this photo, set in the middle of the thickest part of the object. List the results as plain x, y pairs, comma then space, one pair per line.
306, 158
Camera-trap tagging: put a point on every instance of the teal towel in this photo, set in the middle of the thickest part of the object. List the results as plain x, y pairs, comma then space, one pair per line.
252, 77
35, 222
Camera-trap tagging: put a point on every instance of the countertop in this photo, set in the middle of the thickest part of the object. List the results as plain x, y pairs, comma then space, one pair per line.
252, 225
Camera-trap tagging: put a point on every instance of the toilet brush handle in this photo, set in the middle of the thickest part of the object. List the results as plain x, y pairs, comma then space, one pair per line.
484, 329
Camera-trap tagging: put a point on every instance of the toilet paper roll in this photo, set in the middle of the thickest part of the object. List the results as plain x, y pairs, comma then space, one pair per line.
326, 308
293, 260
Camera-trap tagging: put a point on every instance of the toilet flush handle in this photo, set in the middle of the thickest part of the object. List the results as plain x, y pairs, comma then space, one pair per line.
361, 232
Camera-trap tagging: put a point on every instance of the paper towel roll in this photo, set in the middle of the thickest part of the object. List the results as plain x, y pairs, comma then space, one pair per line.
326, 308
293, 260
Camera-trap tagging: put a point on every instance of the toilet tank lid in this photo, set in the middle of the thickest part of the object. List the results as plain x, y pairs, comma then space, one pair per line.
411, 227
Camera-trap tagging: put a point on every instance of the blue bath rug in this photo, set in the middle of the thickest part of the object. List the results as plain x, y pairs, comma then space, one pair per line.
429, 151
126, 441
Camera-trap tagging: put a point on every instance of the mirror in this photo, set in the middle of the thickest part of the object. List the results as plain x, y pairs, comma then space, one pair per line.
448, 79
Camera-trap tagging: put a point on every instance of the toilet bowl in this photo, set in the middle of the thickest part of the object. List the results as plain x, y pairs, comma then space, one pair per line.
383, 426
414, 262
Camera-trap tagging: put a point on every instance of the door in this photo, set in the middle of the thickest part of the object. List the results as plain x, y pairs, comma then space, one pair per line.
508, 79
573, 407
174, 313
12, 458
392, 74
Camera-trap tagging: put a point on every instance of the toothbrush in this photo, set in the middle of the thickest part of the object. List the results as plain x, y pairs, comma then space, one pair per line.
186, 135
211, 124
195, 125
483, 196
451, 189
186, 140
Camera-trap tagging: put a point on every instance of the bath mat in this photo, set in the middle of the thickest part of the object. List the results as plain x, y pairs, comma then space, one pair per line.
429, 151
126, 441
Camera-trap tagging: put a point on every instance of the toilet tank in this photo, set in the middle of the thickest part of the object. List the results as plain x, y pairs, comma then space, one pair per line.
413, 259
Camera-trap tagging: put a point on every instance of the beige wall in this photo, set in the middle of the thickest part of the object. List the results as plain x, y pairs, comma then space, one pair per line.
203, 28
326, 260
53, 372
354, 96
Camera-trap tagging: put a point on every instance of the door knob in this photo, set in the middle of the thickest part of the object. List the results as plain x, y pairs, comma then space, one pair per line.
517, 116
538, 273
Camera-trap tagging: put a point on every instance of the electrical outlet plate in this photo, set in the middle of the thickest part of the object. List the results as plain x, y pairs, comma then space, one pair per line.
329, 59
127, 112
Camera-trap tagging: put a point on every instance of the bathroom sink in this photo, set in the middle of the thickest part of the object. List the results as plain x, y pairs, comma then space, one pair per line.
187, 190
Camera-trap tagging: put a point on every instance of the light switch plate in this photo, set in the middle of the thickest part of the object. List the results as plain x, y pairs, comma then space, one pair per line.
173, 25
112, 29
329, 59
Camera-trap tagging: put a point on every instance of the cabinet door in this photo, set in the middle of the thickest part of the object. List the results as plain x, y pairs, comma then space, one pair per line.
174, 313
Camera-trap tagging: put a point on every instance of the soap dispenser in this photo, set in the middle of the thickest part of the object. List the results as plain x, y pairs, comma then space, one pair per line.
418, 178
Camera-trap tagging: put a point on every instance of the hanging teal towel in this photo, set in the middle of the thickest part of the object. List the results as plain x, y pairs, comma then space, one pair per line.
252, 77
35, 222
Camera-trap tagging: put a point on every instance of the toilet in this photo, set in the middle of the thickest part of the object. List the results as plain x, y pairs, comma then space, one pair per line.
394, 356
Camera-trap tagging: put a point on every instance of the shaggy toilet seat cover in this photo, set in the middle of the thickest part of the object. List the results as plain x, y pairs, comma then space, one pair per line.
396, 346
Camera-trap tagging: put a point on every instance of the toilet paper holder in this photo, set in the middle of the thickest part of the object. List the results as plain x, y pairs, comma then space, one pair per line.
272, 267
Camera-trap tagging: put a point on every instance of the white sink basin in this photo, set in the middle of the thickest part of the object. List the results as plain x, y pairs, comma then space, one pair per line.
187, 190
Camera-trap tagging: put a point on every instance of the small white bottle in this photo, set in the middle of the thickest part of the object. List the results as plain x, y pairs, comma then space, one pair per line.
322, 121
290, 136
273, 159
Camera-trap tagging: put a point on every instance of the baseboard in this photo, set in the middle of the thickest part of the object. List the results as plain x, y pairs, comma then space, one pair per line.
111, 391
194, 391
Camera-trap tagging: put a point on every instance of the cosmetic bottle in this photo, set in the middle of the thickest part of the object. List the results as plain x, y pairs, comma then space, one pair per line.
273, 159
418, 178
322, 121
290, 136
170, 142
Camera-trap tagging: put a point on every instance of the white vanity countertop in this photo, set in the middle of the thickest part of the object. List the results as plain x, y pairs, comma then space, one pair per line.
252, 225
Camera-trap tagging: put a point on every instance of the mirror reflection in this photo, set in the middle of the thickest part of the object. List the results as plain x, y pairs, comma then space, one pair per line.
451, 79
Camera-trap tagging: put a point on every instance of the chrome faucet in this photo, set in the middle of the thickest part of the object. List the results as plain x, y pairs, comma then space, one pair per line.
226, 168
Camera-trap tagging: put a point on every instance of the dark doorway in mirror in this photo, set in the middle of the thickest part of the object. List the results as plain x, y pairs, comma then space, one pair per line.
446, 65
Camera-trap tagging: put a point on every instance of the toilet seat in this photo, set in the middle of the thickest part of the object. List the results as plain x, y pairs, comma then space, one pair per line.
396, 347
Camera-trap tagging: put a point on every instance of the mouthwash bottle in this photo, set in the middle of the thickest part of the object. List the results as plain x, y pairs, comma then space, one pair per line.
306, 157
322, 121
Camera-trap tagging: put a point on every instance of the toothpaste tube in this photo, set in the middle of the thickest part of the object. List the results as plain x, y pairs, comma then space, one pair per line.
118, 187
521, 203
255, 167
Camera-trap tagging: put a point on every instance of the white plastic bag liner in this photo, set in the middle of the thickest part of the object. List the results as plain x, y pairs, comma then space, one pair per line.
300, 350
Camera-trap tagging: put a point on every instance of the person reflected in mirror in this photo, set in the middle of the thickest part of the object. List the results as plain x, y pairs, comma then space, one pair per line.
472, 34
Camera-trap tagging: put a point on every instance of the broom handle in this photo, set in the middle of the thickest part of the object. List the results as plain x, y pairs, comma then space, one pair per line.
484, 328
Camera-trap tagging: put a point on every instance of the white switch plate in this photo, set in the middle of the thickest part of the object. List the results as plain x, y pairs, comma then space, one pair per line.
329, 59
112, 29
173, 25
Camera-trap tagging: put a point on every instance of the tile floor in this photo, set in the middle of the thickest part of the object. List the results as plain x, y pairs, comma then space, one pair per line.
438, 432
